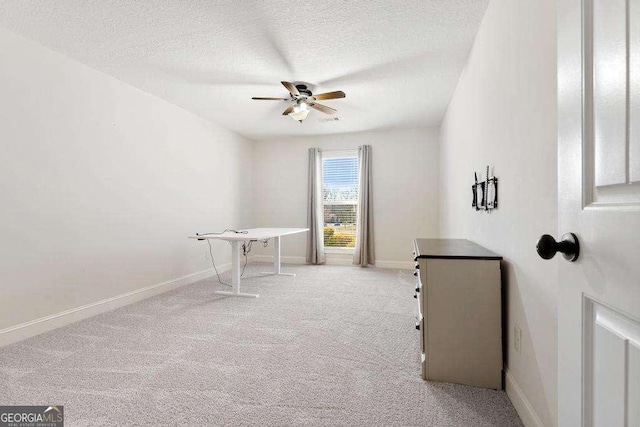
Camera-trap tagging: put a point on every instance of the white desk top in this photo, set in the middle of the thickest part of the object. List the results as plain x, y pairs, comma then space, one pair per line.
252, 234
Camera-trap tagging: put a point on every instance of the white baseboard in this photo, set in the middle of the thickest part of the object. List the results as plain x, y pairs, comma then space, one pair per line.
520, 402
333, 259
35, 327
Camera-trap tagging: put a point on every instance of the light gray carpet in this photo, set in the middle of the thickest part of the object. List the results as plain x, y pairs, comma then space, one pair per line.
333, 346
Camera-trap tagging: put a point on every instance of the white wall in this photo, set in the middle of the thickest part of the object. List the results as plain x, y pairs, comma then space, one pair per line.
100, 183
405, 188
503, 114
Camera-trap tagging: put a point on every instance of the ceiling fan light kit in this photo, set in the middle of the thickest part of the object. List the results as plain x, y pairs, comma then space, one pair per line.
300, 111
303, 99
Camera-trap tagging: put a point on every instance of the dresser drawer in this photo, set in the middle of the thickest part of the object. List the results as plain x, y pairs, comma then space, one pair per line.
421, 283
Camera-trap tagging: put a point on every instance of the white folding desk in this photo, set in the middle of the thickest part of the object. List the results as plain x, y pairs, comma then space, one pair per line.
252, 234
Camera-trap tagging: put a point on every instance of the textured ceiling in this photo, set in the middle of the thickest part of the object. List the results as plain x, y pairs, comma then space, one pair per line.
398, 61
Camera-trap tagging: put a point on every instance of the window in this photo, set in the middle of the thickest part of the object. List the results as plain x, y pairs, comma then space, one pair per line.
340, 199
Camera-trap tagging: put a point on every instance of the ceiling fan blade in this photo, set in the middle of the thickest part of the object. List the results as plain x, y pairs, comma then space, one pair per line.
291, 88
290, 109
330, 95
323, 108
269, 99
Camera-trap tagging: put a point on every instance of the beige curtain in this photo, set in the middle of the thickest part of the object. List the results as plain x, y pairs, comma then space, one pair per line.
315, 215
364, 253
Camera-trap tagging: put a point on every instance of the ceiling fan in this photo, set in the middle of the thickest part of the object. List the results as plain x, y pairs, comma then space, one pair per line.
302, 99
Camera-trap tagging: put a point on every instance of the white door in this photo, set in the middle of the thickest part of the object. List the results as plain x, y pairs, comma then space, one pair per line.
599, 201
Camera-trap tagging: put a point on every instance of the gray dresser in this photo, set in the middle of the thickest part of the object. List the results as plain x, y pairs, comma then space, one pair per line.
458, 290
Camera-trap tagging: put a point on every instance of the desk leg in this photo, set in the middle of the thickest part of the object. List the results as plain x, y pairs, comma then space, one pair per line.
276, 255
235, 273
276, 259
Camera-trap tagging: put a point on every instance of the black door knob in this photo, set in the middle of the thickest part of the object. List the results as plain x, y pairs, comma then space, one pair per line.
547, 247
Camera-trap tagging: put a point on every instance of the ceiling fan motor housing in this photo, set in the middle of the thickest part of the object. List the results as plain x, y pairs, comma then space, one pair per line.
303, 89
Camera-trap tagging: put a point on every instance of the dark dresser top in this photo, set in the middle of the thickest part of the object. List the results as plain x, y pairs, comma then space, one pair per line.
451, 249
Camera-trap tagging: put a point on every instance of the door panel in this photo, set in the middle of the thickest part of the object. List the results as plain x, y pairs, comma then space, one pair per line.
633, 405
612, 373
611, 30
609, 92
634, 91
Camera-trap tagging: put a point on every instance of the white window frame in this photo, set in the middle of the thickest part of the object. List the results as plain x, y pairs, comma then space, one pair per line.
333, 154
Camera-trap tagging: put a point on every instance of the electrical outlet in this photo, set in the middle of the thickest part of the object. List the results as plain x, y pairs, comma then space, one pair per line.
517, 338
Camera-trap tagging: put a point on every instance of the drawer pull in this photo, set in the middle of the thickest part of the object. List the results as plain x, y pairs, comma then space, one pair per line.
415, 295
415, 273
417, 266
417, 326
417, 288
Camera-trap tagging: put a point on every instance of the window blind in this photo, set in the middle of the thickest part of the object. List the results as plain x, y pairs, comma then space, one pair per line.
340, 198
